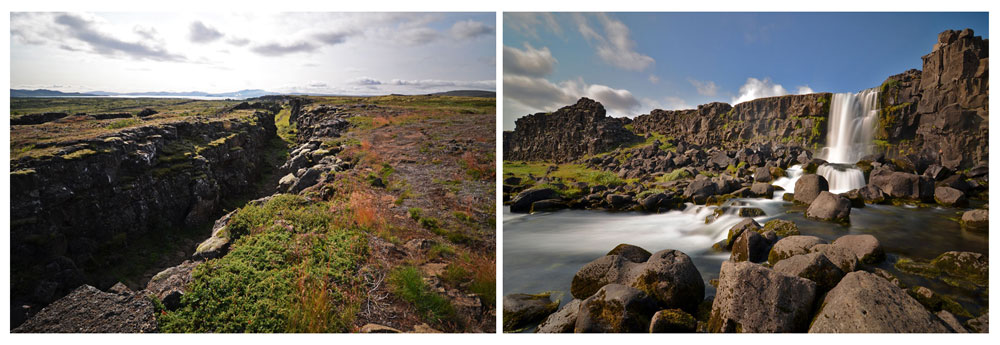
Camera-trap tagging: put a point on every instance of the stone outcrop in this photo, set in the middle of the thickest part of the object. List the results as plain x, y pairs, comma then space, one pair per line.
520, 310
615, 308
940, 115
668, 276
122, 187
566, 134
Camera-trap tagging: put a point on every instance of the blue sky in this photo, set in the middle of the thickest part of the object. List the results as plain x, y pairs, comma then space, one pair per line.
318, 52
636, 62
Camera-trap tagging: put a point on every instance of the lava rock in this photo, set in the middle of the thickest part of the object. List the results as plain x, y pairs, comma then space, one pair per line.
865, 303
520, 310
754, 299
809, 186
630, 252
669, 276
829, 206
865, 247
951, 197
750, 246
976, 219
615, 308
522, 202
562, 321
672, 321
813, 266
89, 310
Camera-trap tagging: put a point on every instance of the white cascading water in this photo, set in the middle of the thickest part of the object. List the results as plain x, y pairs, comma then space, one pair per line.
851, 127
849, 135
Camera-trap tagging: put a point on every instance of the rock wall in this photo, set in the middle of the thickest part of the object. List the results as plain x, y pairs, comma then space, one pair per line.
940, 115
567, 134
799, 120
72, 212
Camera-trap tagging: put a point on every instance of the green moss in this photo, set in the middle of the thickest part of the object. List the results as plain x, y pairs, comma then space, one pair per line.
122, 123
79, 154
923, 269
674, 175
781, 227
22, 172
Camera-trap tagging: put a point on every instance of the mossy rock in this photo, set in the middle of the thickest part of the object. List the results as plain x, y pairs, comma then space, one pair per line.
966, 265
751, 212
672, 321
521, 310
781, 227
923, 269
788, 197
777, 172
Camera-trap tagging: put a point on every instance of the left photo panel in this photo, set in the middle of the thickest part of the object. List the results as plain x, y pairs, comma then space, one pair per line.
252, 172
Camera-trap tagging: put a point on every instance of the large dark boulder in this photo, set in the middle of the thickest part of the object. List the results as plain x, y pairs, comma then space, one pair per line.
829, 206
905, 185
808, 187
865, 303
871, 194
615, 308
700, 189
522, 202
754, 299
763, 190
632, 253
520, 310
735, 231
762, 174
669, 276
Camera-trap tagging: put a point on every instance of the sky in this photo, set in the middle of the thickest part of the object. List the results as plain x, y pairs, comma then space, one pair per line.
335, 53
635, 62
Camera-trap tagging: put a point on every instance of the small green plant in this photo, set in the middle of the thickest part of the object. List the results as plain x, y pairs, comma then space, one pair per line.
406, 283
674, 175
414, 213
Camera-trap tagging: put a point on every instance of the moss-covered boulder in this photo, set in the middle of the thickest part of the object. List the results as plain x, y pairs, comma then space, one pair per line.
978, 220
521, 310
813, 266
781, 227
615, 308
750, 246
672, 321
668, 276
967, 265
937, 302
630, 252
739, 228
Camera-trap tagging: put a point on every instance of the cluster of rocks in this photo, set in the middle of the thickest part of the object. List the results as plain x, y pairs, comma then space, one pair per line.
770, 284
35, 119
567, 134
309, 165
72, 211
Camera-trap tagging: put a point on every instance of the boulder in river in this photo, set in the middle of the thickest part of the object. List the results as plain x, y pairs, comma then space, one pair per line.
866, 247
791, 246
781, 227
829, 206
905, 185
843, 257
563, 320
871, 194
669, 276
632, 253
808, 187
976, 219
762, 190
522, 202
974, 267
744, 225
750, 246
865, 303
951, 197
755, 299
520, 310
615, 308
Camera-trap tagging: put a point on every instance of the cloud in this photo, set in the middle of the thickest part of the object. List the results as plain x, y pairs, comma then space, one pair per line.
614, 47
333, 37
539, 94
237, 41
317, 84
705, 88
200, 33
805, 89
144, 32
654, 79
528, 23
100, 43
469, 29
529, 62
278, 49
417, 36
365, 81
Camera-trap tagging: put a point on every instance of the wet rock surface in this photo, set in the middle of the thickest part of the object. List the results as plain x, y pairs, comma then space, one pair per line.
89, 310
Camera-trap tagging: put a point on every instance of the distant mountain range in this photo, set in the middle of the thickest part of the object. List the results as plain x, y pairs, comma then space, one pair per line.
242, 94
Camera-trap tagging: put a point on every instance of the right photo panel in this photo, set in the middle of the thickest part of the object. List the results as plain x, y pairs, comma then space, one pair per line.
745, 172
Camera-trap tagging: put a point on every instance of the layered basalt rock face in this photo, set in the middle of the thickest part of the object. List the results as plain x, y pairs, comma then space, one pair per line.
939, 115
796, 120
567, 134
74, 211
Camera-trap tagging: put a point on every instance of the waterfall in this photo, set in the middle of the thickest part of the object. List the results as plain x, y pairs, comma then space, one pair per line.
851, 126
841, 177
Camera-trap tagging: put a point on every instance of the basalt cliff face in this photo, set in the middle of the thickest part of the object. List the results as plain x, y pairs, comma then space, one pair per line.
72, 212
939, 115
798, 120
567, 134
